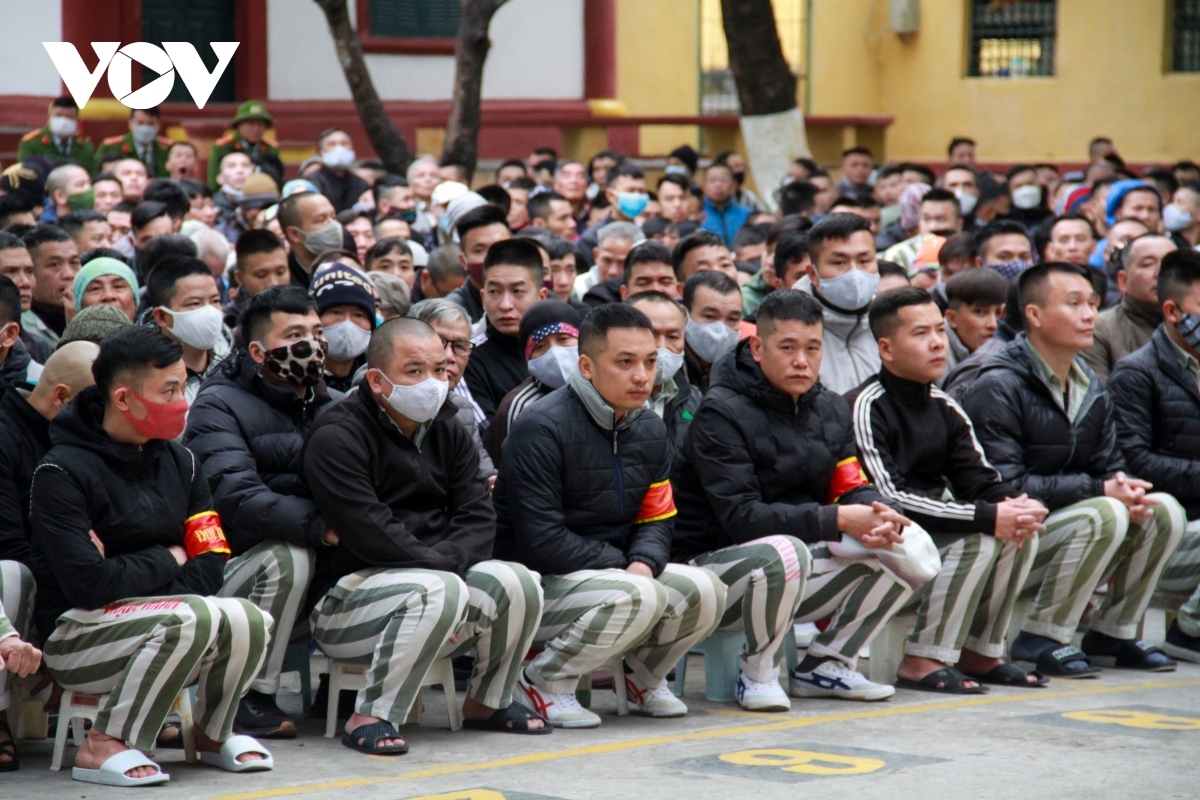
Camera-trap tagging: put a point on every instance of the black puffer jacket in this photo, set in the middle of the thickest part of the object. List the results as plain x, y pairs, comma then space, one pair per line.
396, 503
137, 500
756, 464
1158, 419
577, 491
247, 434
1028, 437
24, 439
19, 368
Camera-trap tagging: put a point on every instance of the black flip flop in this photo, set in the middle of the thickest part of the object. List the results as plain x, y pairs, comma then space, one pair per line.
1053, 660
519, 717
946, 680
371, 735
1009, 674
1137, 655
170, 744
9, 748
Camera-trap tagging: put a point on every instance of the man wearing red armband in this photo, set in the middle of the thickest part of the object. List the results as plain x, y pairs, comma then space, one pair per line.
770, 463
127, 553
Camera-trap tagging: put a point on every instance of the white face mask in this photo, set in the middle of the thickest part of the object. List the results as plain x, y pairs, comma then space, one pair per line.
555, 366
1175, 218
346, 340
62, 127
338, 157
144, 134
200, 327
669, 363
1027, 196
709, 340
852, 290
966, 200
419, 402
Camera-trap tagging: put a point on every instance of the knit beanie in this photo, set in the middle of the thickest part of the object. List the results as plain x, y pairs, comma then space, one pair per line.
99, 267
337, 285
1116, 196
259, 191
545, 318
93, 324
687, 155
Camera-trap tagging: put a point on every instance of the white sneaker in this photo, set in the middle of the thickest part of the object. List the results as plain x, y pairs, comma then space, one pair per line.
561, 710
835, 679
658, 702
755, 696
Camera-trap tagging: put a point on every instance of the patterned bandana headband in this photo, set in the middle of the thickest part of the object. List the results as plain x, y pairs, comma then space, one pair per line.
549, 330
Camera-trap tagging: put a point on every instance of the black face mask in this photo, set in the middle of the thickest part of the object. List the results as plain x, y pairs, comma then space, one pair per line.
739, 178
301, 363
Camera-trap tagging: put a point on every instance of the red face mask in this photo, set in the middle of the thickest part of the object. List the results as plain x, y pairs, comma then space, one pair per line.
163, 420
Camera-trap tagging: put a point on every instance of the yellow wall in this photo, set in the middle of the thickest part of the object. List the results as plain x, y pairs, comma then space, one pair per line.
658, 50
1109, 80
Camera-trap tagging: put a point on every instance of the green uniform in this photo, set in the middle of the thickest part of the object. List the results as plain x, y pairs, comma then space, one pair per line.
42, 143
230, 143
155, 158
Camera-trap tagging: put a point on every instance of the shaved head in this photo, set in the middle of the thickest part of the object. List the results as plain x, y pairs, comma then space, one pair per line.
382, 348
71, 365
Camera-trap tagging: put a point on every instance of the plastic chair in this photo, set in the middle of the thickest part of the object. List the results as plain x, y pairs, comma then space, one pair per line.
584, 691
78, 706
352, 676
297, 659
721, 653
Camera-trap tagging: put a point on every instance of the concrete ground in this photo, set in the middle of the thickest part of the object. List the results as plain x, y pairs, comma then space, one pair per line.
1125, 735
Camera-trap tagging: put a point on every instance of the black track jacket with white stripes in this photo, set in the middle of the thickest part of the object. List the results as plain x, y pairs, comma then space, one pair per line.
915, 443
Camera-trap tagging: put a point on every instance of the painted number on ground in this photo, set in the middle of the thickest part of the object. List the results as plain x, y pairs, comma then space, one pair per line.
1145, 720
465, 794
805, 762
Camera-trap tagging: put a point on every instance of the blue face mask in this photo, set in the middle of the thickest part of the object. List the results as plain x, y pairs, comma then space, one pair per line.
675, 169
632, 203
409, 216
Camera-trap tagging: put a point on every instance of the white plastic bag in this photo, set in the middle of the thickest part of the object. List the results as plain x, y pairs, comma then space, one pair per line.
913, 561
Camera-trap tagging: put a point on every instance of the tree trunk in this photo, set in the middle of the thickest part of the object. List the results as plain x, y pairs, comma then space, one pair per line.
388, 142
470, 52
772, 125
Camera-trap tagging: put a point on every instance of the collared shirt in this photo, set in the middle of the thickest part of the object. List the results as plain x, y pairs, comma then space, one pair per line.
667, 392
1189, 361
418, 435
1077, 383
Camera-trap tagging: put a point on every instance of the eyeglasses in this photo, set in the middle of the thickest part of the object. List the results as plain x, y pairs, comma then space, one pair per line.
461, 347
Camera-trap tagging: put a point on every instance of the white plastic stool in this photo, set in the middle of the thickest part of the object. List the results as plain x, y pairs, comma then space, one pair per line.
887, 648
75, 707
584, 690
352, 676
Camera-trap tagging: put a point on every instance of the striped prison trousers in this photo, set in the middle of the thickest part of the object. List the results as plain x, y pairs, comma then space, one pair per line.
1183, 575
765, 581
16, 610
401, 620
143, 651
860, 596
593, 615
274, 576
970, 601
1086, 544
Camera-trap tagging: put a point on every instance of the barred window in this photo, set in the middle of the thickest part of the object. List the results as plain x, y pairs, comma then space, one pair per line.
1184, 24
1012, 38
416, 19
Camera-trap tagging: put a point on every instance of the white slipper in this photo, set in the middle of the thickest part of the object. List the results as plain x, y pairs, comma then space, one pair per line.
112, 772
236, 746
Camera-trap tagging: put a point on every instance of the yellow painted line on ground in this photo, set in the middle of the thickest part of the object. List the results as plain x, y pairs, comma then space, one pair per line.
786, 723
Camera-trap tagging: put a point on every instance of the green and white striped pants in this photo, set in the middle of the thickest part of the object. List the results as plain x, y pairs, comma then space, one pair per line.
401, 621
860, 596
274, 576
16, 609
970, 601
592, 615
1182, 574
765, 581
1083, 546
143, 651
